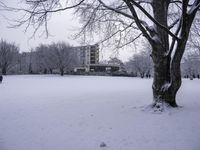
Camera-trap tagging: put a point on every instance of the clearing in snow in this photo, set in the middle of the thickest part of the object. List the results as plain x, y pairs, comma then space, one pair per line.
94, 113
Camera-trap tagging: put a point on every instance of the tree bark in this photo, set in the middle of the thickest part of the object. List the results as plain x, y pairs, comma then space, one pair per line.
163, 92
167, 74
30, 71
4, 71
51, 71
45, 71
61, 71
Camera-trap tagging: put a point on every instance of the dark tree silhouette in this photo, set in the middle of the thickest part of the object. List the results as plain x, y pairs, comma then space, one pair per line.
9, 53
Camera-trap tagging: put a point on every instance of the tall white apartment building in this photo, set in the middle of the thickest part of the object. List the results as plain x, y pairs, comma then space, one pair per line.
88, 54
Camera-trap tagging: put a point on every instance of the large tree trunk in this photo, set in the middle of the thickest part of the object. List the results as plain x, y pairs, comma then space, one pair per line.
163, 92
167, 72
167, 75
166, 55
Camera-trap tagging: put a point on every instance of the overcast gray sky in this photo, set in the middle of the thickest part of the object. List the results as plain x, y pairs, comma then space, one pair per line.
62, 26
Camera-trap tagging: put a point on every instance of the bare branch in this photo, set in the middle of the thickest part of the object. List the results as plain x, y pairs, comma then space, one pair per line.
138, 21
154, 21
116, 10
131, 41
173, 24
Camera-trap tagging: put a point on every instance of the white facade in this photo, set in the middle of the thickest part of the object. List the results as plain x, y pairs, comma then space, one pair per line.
88, 54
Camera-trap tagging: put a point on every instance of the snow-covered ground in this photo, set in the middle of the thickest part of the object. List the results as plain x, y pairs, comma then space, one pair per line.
82, 113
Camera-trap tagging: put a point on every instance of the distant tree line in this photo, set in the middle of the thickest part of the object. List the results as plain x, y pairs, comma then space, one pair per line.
53, 58
61, 58
191, 65
9, 56
140, 64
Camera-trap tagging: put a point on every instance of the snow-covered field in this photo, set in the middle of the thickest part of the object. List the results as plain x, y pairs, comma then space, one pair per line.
82, 113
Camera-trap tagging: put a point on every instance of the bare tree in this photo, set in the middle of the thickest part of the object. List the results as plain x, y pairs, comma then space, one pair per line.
9, 53
24, 63
141, 63
43, 59
62, 55
164, 23
46, 58
193, 41
30, 62
191, 65
118, 62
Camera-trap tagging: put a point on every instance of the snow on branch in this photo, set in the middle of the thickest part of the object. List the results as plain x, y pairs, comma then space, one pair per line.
115, 10
173, 24
194, 7
144, 1
153, 20
165, 87
138, 21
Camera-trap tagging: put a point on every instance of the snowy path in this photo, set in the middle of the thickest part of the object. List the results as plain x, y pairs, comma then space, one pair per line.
79, 113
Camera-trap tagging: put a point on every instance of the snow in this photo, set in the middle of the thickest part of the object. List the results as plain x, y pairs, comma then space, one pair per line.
165, 87
94, 113
156, 39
